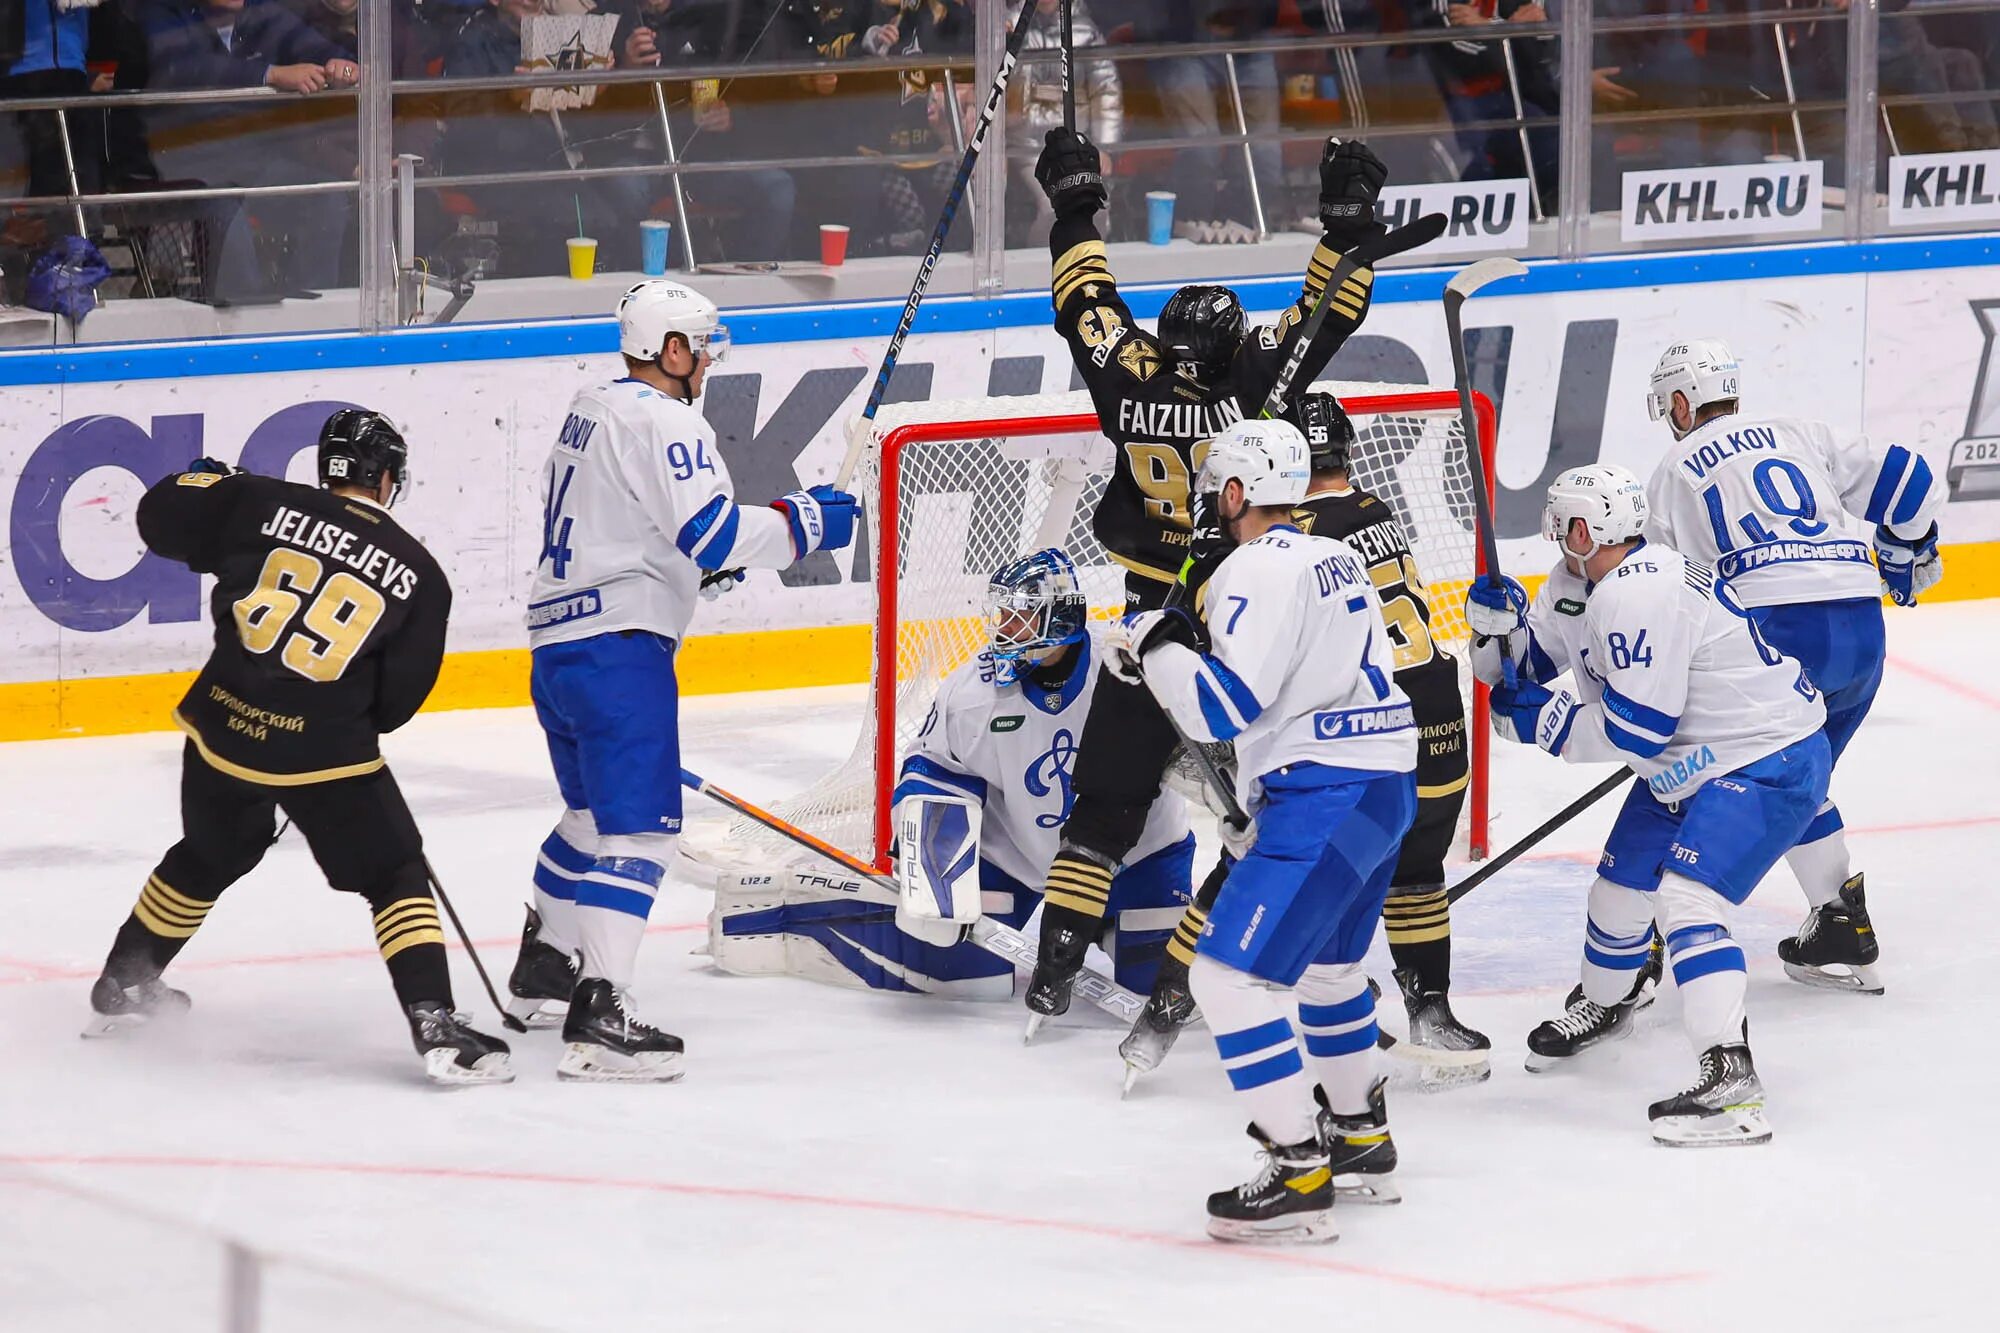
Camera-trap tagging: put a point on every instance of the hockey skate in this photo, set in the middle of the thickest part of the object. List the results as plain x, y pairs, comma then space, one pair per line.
608, 1044
1289, 1202
119, 1001
1066, 936
1836, 947
1360, 1152
1168, 1009
453, 1053
1446, 1053
1584, 1023
542, 973
1725, 1106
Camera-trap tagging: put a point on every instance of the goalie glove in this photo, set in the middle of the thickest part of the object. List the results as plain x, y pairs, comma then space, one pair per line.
937, 865
821, 519
1534, 715
1909, 567
1126, 646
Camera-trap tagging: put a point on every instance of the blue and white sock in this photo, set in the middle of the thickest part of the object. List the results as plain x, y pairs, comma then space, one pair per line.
612, 902
1820, 861
1337, 1014
1258, 1049
566, 856
1708, 969
1616, 939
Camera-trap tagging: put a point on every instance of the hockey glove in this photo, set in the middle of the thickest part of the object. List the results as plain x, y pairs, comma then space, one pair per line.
822, 519
1237, 839
1909, 568
1071, 173
714, 583
1350, 182
215, 465
1533, 715
1496, 607
1131, 639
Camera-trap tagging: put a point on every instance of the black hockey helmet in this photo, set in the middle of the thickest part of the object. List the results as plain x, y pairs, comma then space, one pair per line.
1328, 430
1203, 326
356, 447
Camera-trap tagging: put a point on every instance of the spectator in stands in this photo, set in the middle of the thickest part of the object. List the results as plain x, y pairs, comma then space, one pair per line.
1193, 90
757, 202
1910, 63
1035, 106
43, 53
1474, 77
217, 44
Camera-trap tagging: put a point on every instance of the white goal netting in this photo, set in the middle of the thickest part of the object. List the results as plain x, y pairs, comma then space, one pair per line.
954, 490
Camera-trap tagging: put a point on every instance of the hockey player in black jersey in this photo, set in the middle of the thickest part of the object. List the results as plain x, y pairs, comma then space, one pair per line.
329, 630
1160, 398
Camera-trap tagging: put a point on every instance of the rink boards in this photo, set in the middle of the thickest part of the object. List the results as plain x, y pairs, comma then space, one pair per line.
1894, 338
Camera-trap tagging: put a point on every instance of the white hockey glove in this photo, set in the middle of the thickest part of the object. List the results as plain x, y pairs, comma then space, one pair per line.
1496, 607
714, 583
1128, 642
1237, 839
1909, 568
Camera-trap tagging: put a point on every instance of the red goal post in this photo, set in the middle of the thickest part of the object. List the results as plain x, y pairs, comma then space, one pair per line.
953, 489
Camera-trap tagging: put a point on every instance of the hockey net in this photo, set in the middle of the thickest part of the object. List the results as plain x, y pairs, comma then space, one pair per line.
955, 489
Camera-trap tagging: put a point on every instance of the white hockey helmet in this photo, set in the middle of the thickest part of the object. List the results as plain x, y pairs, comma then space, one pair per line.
657, 307
1270, 458
1610, 500
1702, 370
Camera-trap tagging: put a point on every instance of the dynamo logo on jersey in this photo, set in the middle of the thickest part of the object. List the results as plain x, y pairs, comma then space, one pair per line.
1050, 772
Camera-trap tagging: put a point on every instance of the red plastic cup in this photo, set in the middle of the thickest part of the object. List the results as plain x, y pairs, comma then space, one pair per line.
832, 244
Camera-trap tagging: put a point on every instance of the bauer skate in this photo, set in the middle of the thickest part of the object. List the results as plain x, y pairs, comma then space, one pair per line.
1288, 1202
1066, 935
453, 1053
608, 1044
1835, 947
122, 1000
1725, 1106
1360, 1152
1445, 1052
542, 973
1168, 1009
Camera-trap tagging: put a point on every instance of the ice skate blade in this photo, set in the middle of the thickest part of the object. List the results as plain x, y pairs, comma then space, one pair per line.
1859, 979
1429, 1069
1366, 1189
534, 1015
1035, 1022
110, 1025
1735, 1126
1144, 1048
442, 1068
1294, 1229
583, 1062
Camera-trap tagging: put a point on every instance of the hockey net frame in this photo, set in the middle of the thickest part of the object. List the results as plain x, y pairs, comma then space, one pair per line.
849, 807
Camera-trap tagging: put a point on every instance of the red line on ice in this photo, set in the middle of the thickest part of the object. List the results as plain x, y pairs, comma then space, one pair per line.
1525, 1299
1938, 678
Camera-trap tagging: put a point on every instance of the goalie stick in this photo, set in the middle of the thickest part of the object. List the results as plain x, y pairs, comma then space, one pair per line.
1365, 255
858, 435
999, 940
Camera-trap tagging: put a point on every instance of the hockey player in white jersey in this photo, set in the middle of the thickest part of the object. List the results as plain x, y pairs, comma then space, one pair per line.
1770, 502
1295, 666
636, 506
1668, 675
979, 806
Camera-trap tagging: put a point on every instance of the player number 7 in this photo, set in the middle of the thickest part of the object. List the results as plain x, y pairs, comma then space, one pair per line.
1242, 603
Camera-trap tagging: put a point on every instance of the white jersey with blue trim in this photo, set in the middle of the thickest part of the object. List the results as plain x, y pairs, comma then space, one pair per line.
1671, 676
1012, 748
636, 503
1771, 504
1300, 667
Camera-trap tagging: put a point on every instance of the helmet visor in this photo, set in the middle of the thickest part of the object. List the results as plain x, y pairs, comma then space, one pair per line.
715, 343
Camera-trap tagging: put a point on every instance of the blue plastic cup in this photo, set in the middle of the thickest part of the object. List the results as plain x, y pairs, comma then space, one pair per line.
654, 236
1159, 216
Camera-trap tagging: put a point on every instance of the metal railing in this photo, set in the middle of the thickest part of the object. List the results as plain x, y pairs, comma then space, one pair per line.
387, 183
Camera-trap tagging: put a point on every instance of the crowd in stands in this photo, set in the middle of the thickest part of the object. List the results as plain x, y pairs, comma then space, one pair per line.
1470, 89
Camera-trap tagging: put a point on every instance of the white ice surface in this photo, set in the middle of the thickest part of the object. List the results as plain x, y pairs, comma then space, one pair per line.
843, 1160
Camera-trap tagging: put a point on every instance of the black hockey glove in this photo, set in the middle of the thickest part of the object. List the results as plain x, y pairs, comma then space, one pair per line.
1071, 173
215, 465
1350, 182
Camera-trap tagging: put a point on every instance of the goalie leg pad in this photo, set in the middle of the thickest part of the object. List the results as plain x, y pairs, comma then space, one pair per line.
937, 862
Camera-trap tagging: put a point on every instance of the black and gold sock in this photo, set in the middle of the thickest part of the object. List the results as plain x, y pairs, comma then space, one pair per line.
1181, 945
1080, 882
412, 944
1418, 924
162, 922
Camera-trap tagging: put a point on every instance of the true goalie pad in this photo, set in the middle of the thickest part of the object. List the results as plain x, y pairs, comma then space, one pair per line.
937, 859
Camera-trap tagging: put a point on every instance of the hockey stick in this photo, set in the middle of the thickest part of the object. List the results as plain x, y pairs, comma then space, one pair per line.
999, 940
1365, 255
1469, 280
1068, 64
512, 1023
1556, 821
857, 437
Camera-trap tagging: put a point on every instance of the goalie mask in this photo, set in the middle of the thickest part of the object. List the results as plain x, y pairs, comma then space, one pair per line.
1033, 607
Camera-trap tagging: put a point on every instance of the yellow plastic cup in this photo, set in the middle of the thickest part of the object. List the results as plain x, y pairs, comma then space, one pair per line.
582, 257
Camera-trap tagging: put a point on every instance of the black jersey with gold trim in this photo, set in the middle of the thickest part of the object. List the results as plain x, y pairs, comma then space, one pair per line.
329, 623
1159, 416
